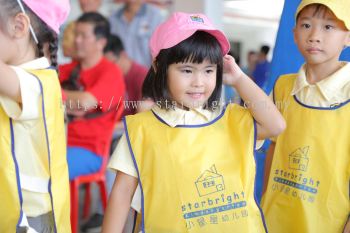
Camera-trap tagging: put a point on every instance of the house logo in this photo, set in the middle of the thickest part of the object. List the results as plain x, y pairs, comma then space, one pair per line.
298, 160
210, 182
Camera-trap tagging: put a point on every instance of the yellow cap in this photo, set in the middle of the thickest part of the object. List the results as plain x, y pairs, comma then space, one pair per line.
340, 8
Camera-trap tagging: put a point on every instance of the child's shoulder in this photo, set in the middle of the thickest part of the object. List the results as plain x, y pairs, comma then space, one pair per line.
284, 84
140, 117
286, 78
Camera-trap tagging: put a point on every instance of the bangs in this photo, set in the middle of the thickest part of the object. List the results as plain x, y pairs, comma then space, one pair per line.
195, 49
319, 10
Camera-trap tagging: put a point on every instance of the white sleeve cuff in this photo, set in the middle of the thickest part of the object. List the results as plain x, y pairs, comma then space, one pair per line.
121, 158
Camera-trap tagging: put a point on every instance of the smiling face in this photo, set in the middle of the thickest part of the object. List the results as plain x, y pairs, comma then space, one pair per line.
320, 36
191, 84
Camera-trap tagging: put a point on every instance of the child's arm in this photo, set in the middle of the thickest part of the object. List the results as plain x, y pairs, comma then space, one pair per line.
268, 162
347, 226
9, 83
119, 203
269, 121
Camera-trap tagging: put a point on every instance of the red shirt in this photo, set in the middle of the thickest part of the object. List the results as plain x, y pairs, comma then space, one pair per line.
105, 82
133, 82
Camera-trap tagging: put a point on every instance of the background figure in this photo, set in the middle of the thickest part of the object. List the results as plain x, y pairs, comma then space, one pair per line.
261, 72
89, 5
93, 86
231, 96
134, 75
134, 23
252, 59
68, 47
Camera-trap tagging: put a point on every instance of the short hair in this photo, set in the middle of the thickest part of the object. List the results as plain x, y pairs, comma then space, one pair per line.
265, 49
114, 45
319, 8
197, 48
99, 22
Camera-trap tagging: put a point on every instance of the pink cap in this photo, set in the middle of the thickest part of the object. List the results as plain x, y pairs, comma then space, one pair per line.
181, 26
52, 12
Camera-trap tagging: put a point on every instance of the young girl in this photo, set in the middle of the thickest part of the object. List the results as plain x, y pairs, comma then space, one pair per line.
192, 158
33, 171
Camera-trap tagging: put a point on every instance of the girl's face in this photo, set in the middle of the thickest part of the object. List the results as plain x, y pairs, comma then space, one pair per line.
320, 37
191, 84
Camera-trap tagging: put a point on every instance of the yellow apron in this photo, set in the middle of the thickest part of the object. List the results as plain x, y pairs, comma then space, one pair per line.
196, 178
308, 189
11, 213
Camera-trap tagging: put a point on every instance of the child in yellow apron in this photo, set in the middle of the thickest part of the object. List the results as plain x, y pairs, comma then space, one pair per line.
308, 186
192, 157
34, 192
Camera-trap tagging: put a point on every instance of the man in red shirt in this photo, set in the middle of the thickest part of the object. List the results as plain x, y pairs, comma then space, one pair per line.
94, 90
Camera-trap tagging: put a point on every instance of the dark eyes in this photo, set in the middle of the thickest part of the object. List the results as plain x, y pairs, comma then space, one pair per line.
327, 27
305, 25
187, 71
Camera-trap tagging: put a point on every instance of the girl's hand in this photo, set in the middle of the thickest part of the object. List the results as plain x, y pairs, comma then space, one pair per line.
232, 72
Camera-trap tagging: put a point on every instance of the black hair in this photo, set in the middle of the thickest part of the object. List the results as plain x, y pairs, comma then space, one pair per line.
99, 22
114, 45
44, 34
265, 49
197, 48
319, 9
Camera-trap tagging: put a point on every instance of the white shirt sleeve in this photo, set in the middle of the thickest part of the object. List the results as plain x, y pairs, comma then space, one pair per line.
121, 160
30, 92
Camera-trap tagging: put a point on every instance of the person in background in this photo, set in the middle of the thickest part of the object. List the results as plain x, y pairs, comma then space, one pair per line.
261, 72
93, 87
134, 23
68, 47
90, 5
252, 59
134, 75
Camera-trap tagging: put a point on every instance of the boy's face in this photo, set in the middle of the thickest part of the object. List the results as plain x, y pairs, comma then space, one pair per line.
320, 37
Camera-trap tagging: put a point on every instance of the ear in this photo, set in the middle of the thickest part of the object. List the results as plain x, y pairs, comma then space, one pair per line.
347, 42
20, 26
